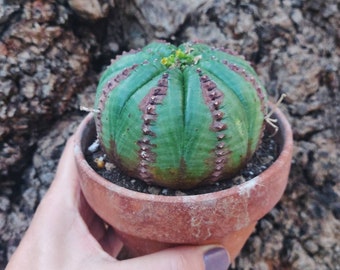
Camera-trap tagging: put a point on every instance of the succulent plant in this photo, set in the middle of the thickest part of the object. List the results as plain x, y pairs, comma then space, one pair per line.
181, 116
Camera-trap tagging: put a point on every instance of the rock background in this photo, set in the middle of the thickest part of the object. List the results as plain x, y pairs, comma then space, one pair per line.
51, 56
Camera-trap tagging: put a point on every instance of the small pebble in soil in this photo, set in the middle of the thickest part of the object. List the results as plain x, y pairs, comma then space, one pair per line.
94, 146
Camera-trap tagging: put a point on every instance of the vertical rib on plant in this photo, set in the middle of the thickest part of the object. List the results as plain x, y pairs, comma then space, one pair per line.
180, 116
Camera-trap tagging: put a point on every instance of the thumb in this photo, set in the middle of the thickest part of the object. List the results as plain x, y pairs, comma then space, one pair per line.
181, 258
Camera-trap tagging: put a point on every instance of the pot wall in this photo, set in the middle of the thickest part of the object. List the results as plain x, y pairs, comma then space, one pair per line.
227, 216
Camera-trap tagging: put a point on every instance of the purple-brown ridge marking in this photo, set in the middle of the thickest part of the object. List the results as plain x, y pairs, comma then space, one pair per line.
148, 107
213, 97
124, 53
250, 79
110, 86
229, 51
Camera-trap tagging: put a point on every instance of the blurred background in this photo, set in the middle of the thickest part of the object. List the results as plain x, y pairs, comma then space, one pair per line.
53, 52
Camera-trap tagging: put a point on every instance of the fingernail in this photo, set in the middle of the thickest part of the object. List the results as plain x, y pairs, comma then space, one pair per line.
216, 259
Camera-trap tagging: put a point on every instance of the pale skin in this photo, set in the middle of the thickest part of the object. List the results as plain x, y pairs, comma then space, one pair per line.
66, 234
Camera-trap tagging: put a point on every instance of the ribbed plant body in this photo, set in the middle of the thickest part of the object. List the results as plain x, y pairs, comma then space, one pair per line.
182, 116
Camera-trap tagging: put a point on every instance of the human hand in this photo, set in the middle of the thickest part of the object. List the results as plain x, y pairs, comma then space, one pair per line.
66, 234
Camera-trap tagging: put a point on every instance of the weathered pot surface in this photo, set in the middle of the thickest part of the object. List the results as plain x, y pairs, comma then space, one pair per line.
148, 223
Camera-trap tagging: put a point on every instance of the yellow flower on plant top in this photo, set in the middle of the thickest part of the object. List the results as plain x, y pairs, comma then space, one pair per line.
164, 61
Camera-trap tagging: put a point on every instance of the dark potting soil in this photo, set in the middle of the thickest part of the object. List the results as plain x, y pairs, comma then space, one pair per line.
265, 155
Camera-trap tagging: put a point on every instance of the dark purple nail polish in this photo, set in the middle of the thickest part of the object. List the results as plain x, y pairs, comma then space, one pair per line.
216, 259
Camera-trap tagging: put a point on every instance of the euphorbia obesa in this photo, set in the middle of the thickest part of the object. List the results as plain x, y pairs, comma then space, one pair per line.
180, 116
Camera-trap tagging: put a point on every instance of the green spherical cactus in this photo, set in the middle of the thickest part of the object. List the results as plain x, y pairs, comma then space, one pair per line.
180, 116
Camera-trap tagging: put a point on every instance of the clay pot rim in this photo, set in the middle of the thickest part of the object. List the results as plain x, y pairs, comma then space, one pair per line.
284, 131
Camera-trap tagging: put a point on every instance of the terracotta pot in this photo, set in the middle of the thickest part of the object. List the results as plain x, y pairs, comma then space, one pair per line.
148, 223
